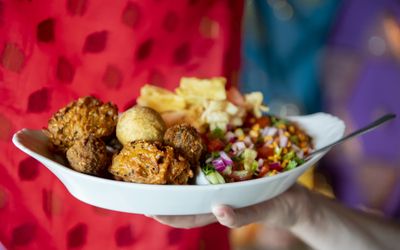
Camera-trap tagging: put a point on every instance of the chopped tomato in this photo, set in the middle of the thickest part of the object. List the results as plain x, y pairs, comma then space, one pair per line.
263, 121
264, 170
264, 152
215, 145
241, 175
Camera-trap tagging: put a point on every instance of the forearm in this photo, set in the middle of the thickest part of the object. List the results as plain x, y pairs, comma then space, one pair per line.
330, 225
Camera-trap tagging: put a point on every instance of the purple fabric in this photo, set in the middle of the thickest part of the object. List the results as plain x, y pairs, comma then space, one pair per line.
375, 90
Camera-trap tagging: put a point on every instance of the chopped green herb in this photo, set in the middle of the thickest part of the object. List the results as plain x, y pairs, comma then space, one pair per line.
215, 154
294, 139
208, 169
299, 160
289, 155
254, 166
276, 122
291, 165
237, 158
228, 147
218, 133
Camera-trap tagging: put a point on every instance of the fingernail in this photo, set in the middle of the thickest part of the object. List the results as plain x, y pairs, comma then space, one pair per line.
219, 213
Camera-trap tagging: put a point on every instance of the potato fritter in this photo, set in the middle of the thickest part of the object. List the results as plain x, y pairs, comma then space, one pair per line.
140, 123
79, 119
187, 141
150, 163
89, 156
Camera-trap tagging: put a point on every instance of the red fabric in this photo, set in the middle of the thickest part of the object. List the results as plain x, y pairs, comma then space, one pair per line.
52, 52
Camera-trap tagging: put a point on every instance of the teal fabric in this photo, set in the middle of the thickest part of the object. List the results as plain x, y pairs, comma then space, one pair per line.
283, 42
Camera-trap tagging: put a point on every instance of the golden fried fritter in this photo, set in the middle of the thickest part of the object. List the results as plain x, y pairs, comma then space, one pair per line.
140, 123
79, 119
151, 163
89, 155
187, 141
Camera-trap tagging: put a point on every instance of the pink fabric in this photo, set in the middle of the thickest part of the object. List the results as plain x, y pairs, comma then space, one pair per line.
52, 52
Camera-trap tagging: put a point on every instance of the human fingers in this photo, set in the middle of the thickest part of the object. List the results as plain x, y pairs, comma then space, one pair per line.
185, 221
234, 218
282, 211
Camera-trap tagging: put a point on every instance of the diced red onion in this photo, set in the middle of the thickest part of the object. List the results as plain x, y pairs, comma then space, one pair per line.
300, 154
283, 140
219, 164
238, 146
275, 166
264, 131
225, 158
260, 163
247, 141
269, 142
229, 135
296, 149
269, 131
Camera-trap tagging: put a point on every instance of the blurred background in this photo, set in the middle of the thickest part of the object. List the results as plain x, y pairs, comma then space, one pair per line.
341, 57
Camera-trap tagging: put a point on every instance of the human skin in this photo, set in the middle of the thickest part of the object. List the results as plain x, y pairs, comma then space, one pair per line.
320, 222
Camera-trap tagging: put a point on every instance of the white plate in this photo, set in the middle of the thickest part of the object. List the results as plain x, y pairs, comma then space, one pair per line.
171, 199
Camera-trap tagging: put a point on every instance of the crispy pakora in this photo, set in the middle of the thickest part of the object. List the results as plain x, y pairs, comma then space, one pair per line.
89, 155
187, 141
79, 119
150, 163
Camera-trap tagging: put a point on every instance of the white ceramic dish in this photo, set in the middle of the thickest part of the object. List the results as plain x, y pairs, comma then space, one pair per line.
171, 199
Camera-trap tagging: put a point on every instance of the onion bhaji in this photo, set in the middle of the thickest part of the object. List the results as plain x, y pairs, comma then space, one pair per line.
89, 155
187, 141
151, 163
79, 119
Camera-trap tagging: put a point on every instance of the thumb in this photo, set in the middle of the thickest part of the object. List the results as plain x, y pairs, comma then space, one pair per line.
226, 216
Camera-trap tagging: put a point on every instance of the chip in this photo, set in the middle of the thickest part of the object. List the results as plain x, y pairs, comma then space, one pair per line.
160, 99
196, 91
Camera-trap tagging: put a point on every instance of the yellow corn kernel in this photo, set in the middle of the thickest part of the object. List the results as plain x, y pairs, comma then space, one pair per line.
253, 133
267, 138
273, 172
256, 127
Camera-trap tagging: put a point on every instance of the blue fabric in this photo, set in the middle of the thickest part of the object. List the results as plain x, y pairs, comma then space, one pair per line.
281, 57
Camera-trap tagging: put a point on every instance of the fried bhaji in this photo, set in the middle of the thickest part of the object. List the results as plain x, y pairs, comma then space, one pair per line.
187, 141
79, 119
150, 163
89, 155
140, 123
